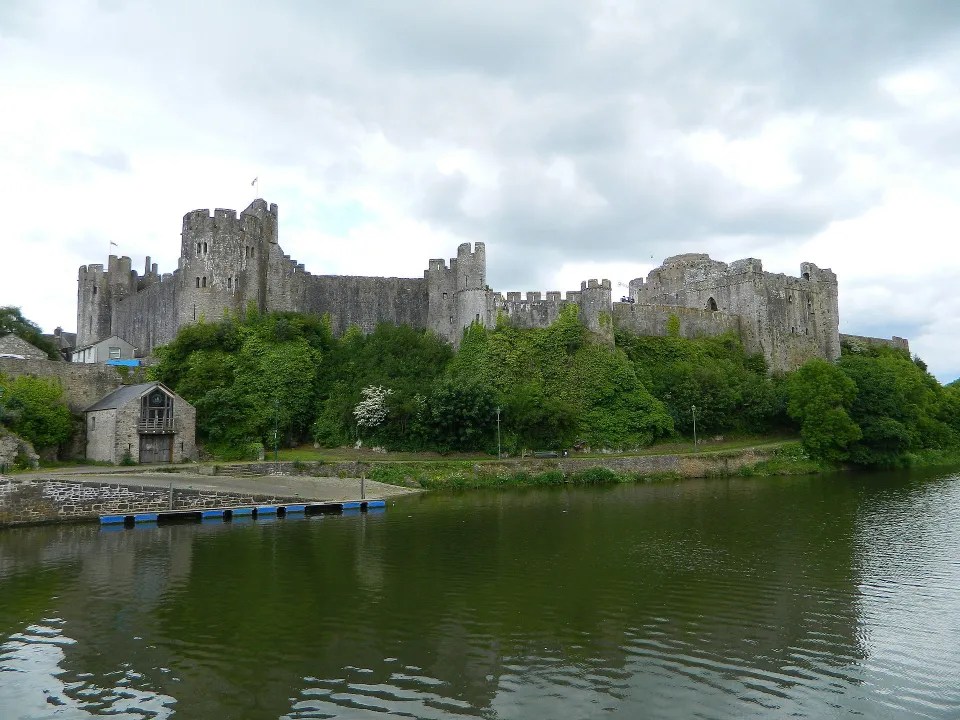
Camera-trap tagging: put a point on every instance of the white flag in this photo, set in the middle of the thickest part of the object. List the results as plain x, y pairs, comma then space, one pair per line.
254, 181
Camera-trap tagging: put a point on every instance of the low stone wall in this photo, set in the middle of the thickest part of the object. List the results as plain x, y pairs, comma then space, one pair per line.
698, 465
40, 501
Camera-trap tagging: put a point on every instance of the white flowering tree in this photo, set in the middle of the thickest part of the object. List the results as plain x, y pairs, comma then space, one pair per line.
372, 410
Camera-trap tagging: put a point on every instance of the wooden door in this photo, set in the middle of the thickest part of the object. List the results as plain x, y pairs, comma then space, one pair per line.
156, 448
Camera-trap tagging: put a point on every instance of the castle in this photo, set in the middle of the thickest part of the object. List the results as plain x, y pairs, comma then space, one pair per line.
228, 263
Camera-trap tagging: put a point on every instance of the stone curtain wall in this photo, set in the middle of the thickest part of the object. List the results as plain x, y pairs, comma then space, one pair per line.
82, 384
149, 318
897, 343
653, 319
41, 501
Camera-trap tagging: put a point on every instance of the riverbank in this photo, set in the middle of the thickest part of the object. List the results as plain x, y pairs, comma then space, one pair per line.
769, 459
72, 496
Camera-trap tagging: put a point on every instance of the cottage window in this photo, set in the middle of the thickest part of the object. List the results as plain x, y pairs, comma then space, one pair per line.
156, 412
114, 353
93, 422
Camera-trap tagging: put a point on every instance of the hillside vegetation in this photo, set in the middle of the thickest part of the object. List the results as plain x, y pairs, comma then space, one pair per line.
405, 389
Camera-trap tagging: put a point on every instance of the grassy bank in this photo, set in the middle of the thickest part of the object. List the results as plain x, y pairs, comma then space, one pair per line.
781, 459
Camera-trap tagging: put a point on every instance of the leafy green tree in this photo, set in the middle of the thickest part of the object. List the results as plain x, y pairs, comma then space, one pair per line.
531, 420
819, 398
460, 416
34, 409
898, 405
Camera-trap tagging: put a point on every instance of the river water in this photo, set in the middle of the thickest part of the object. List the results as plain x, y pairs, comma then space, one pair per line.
759, 598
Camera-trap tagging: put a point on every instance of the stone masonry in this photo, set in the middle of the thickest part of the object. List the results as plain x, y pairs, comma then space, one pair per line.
229, 263
36, 501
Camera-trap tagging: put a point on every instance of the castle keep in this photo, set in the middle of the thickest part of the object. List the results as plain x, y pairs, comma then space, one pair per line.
228, 262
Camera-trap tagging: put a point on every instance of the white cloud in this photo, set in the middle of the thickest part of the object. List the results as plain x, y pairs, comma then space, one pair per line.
578, 138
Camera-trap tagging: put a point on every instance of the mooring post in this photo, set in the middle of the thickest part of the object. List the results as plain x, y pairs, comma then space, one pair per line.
363, 477
170, 497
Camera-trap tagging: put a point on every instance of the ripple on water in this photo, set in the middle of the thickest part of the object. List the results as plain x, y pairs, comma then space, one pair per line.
34, 684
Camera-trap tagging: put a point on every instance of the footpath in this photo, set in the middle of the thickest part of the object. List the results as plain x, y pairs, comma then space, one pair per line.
298, 486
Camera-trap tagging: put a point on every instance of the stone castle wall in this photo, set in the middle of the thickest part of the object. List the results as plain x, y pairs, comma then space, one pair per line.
654, 320
229, 263
897, 343
82, 384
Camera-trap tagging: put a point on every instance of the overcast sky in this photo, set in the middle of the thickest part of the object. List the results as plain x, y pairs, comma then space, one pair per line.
577, 138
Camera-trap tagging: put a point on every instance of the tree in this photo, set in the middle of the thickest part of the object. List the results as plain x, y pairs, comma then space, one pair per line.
459, 416
370, 412
34, 409
819, 396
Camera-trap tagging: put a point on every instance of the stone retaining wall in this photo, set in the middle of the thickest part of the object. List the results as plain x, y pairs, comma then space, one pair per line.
40, 501
707, 464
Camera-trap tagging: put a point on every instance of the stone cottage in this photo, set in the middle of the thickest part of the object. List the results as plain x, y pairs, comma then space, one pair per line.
16, 347
149, 423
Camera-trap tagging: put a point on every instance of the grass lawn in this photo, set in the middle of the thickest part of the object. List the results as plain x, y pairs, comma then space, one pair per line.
307, 453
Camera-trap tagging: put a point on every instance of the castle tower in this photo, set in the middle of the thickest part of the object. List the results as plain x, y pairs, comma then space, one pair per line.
224, 261
596, 307
93, 304
823, 307
441, 297
474, 302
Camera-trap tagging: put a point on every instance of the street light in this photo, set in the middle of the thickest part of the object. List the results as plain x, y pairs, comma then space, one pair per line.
276, 431
693, 409
498, 433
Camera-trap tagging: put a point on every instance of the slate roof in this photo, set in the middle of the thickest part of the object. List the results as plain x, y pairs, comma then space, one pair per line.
122, 395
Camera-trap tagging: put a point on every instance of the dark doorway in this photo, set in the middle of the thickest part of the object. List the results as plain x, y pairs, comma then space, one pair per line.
712, 305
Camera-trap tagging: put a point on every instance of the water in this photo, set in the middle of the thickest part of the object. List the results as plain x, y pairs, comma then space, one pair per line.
816, 598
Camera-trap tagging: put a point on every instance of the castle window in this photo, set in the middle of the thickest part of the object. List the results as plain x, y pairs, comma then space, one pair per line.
198, 282
444, 296
712, 305
806, 276
451, 319
204, 281
204, 248
229, 283
194, 312
789, 298
199, 248
478, 317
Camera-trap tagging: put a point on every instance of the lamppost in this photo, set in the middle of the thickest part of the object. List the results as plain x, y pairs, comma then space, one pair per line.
276, 431
693, 409
498, 433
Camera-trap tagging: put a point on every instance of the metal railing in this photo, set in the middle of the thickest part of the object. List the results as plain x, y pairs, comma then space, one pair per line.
157, 425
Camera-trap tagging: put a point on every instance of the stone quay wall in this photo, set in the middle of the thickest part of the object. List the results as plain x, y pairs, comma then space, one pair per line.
699, 465
34, 501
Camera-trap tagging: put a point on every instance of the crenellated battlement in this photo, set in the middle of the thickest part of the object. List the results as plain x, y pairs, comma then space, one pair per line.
230, 260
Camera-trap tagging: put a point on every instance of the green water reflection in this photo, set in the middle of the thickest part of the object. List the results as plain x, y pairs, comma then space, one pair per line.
720, 598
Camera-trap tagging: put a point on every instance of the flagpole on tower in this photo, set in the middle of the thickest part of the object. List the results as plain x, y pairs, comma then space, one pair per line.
112, 244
